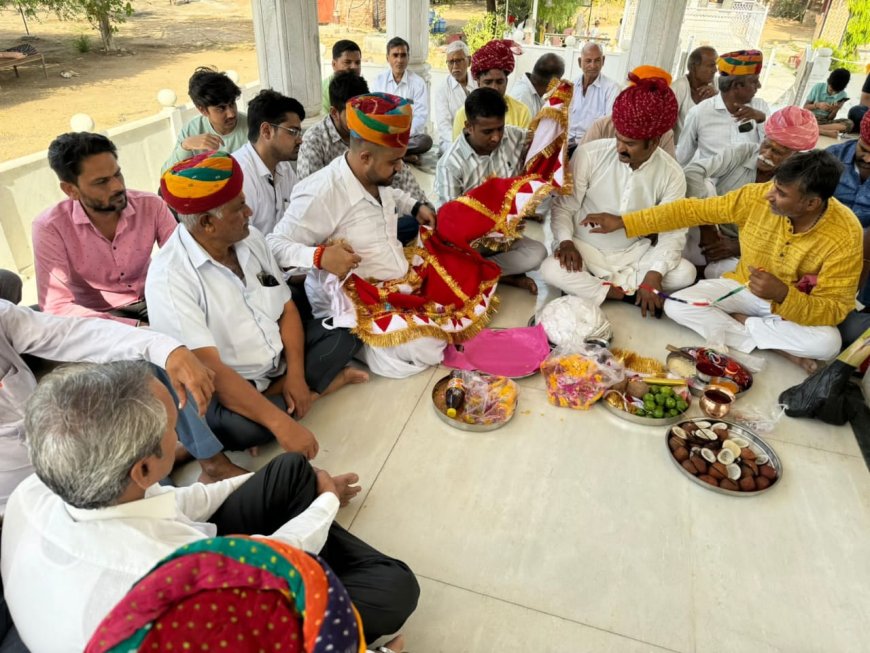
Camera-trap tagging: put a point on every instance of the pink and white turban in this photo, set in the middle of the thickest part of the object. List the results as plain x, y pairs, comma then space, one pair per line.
793, 127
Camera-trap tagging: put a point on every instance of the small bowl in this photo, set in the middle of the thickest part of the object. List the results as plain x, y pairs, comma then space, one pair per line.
726, 383
716, 401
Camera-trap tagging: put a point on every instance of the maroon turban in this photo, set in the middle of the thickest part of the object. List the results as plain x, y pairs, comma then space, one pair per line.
865, 128
495, 54
647, 109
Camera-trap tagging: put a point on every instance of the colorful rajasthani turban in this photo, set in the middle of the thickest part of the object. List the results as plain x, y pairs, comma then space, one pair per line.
380, 118
234, 594
202, 183
646, 109
793, 127
651, 72
495, 54
740, 62
865, 128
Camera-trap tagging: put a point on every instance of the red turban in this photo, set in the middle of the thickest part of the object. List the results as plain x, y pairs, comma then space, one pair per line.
495, 54
793, 127
647, 109
865, 128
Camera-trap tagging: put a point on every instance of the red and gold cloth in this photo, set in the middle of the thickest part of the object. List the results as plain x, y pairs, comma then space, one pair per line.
498, 54
449, 290
380, 118
646, 109
235, 594
202, 183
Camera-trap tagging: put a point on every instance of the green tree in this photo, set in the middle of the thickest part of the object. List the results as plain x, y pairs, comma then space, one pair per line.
104, 15
858, 28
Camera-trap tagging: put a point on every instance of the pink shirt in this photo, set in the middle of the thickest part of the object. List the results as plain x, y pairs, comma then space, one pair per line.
80, 272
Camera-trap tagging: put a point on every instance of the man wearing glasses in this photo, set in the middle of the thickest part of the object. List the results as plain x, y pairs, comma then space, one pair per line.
451, 94
274, 137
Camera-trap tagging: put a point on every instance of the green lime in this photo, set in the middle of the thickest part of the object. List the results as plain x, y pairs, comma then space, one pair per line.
640, 412
659, 412
667, 390
670, 402
672, 412
660, 400
648, 397
681, 405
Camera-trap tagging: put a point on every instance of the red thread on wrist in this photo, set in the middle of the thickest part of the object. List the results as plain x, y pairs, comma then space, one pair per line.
318, 256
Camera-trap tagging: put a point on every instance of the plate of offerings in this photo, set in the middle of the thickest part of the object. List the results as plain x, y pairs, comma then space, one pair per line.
487, 403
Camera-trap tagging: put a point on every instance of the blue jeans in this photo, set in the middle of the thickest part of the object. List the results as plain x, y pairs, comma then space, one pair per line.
192, 430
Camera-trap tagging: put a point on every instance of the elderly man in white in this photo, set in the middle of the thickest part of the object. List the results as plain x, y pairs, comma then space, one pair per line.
450, 95
94, 518
594, 93
343, 218
631, 172
398, 80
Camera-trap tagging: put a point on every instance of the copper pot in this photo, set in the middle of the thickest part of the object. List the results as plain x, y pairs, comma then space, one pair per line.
716, 401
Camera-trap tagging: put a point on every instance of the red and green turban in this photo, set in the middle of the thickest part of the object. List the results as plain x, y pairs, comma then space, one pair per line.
646, 109
380, 118
740, 62
202, 183
234, 594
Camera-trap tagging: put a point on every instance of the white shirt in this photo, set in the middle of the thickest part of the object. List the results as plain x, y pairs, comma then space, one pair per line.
683, 90
411, 87
449, 98
523, 91
461, 168
604, 184
332, 205
709, 127
585, 109
67, 339
267, 195
203, 303
65, 568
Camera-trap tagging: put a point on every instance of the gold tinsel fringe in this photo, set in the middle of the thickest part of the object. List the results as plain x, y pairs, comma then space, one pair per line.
636, 362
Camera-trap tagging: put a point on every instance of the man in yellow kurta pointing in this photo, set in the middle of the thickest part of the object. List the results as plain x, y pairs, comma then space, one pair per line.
801, 259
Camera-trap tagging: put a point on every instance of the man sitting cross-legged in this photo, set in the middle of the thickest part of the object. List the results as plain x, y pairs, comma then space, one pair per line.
218, 289
93, 249
629, 171
343, 218
801, 254
486, 148
219, 126
93, 518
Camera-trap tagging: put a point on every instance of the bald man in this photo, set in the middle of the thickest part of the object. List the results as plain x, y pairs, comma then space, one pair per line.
697, 85
530, 88
594, 93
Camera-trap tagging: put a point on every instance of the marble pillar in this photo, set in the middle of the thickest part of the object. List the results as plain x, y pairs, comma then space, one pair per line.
288, 50
656, 35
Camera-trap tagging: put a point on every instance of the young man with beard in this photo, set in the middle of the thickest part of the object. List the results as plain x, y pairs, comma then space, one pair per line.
92, 250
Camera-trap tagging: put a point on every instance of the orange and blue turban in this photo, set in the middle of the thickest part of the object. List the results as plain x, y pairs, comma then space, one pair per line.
646, 109
234, 594
202, 183
740, 62
380, 118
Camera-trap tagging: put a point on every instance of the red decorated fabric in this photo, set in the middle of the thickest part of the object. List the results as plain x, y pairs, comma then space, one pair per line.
865, 128
647, 109
495, 54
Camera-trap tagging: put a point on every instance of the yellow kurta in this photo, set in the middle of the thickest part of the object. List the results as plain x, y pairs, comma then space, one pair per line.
517, 115
832, 249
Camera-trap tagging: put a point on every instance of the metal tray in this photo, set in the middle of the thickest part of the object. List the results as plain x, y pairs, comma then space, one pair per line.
646, 421
440, 387
695, 383
740, 431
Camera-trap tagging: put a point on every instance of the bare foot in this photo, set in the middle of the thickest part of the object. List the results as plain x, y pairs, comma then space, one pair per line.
344, 484
397, 644
347, 375
520, 281
740, 317
218, 468
182, 455
810, 365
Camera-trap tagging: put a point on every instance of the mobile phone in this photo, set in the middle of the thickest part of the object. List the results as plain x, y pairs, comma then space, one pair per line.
745, 127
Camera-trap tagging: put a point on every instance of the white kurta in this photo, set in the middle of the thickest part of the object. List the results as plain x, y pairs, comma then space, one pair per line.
268, 195
447, 100
709, 127
604, 184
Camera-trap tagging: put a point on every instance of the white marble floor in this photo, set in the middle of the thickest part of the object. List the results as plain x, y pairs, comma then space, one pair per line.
573, 531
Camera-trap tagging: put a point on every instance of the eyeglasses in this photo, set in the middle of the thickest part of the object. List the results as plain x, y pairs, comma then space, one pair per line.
455, 62
295, 132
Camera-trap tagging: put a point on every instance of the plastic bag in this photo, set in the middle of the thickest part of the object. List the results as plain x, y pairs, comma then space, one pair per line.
488, 399
577, 377
756, 419
569, 321
822, 395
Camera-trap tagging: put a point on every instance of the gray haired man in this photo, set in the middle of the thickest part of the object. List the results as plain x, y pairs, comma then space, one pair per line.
93, 518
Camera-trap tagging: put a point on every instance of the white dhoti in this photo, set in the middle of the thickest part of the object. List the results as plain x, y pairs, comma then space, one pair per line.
405, 360
716, 269
623, 268
763, 329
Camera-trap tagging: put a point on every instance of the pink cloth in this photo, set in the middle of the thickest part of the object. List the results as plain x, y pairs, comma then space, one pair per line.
79, 272
504, 352
793, 127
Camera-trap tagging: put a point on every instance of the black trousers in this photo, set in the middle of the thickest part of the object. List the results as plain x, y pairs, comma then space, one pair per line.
135, 311
327, 353
383, 589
